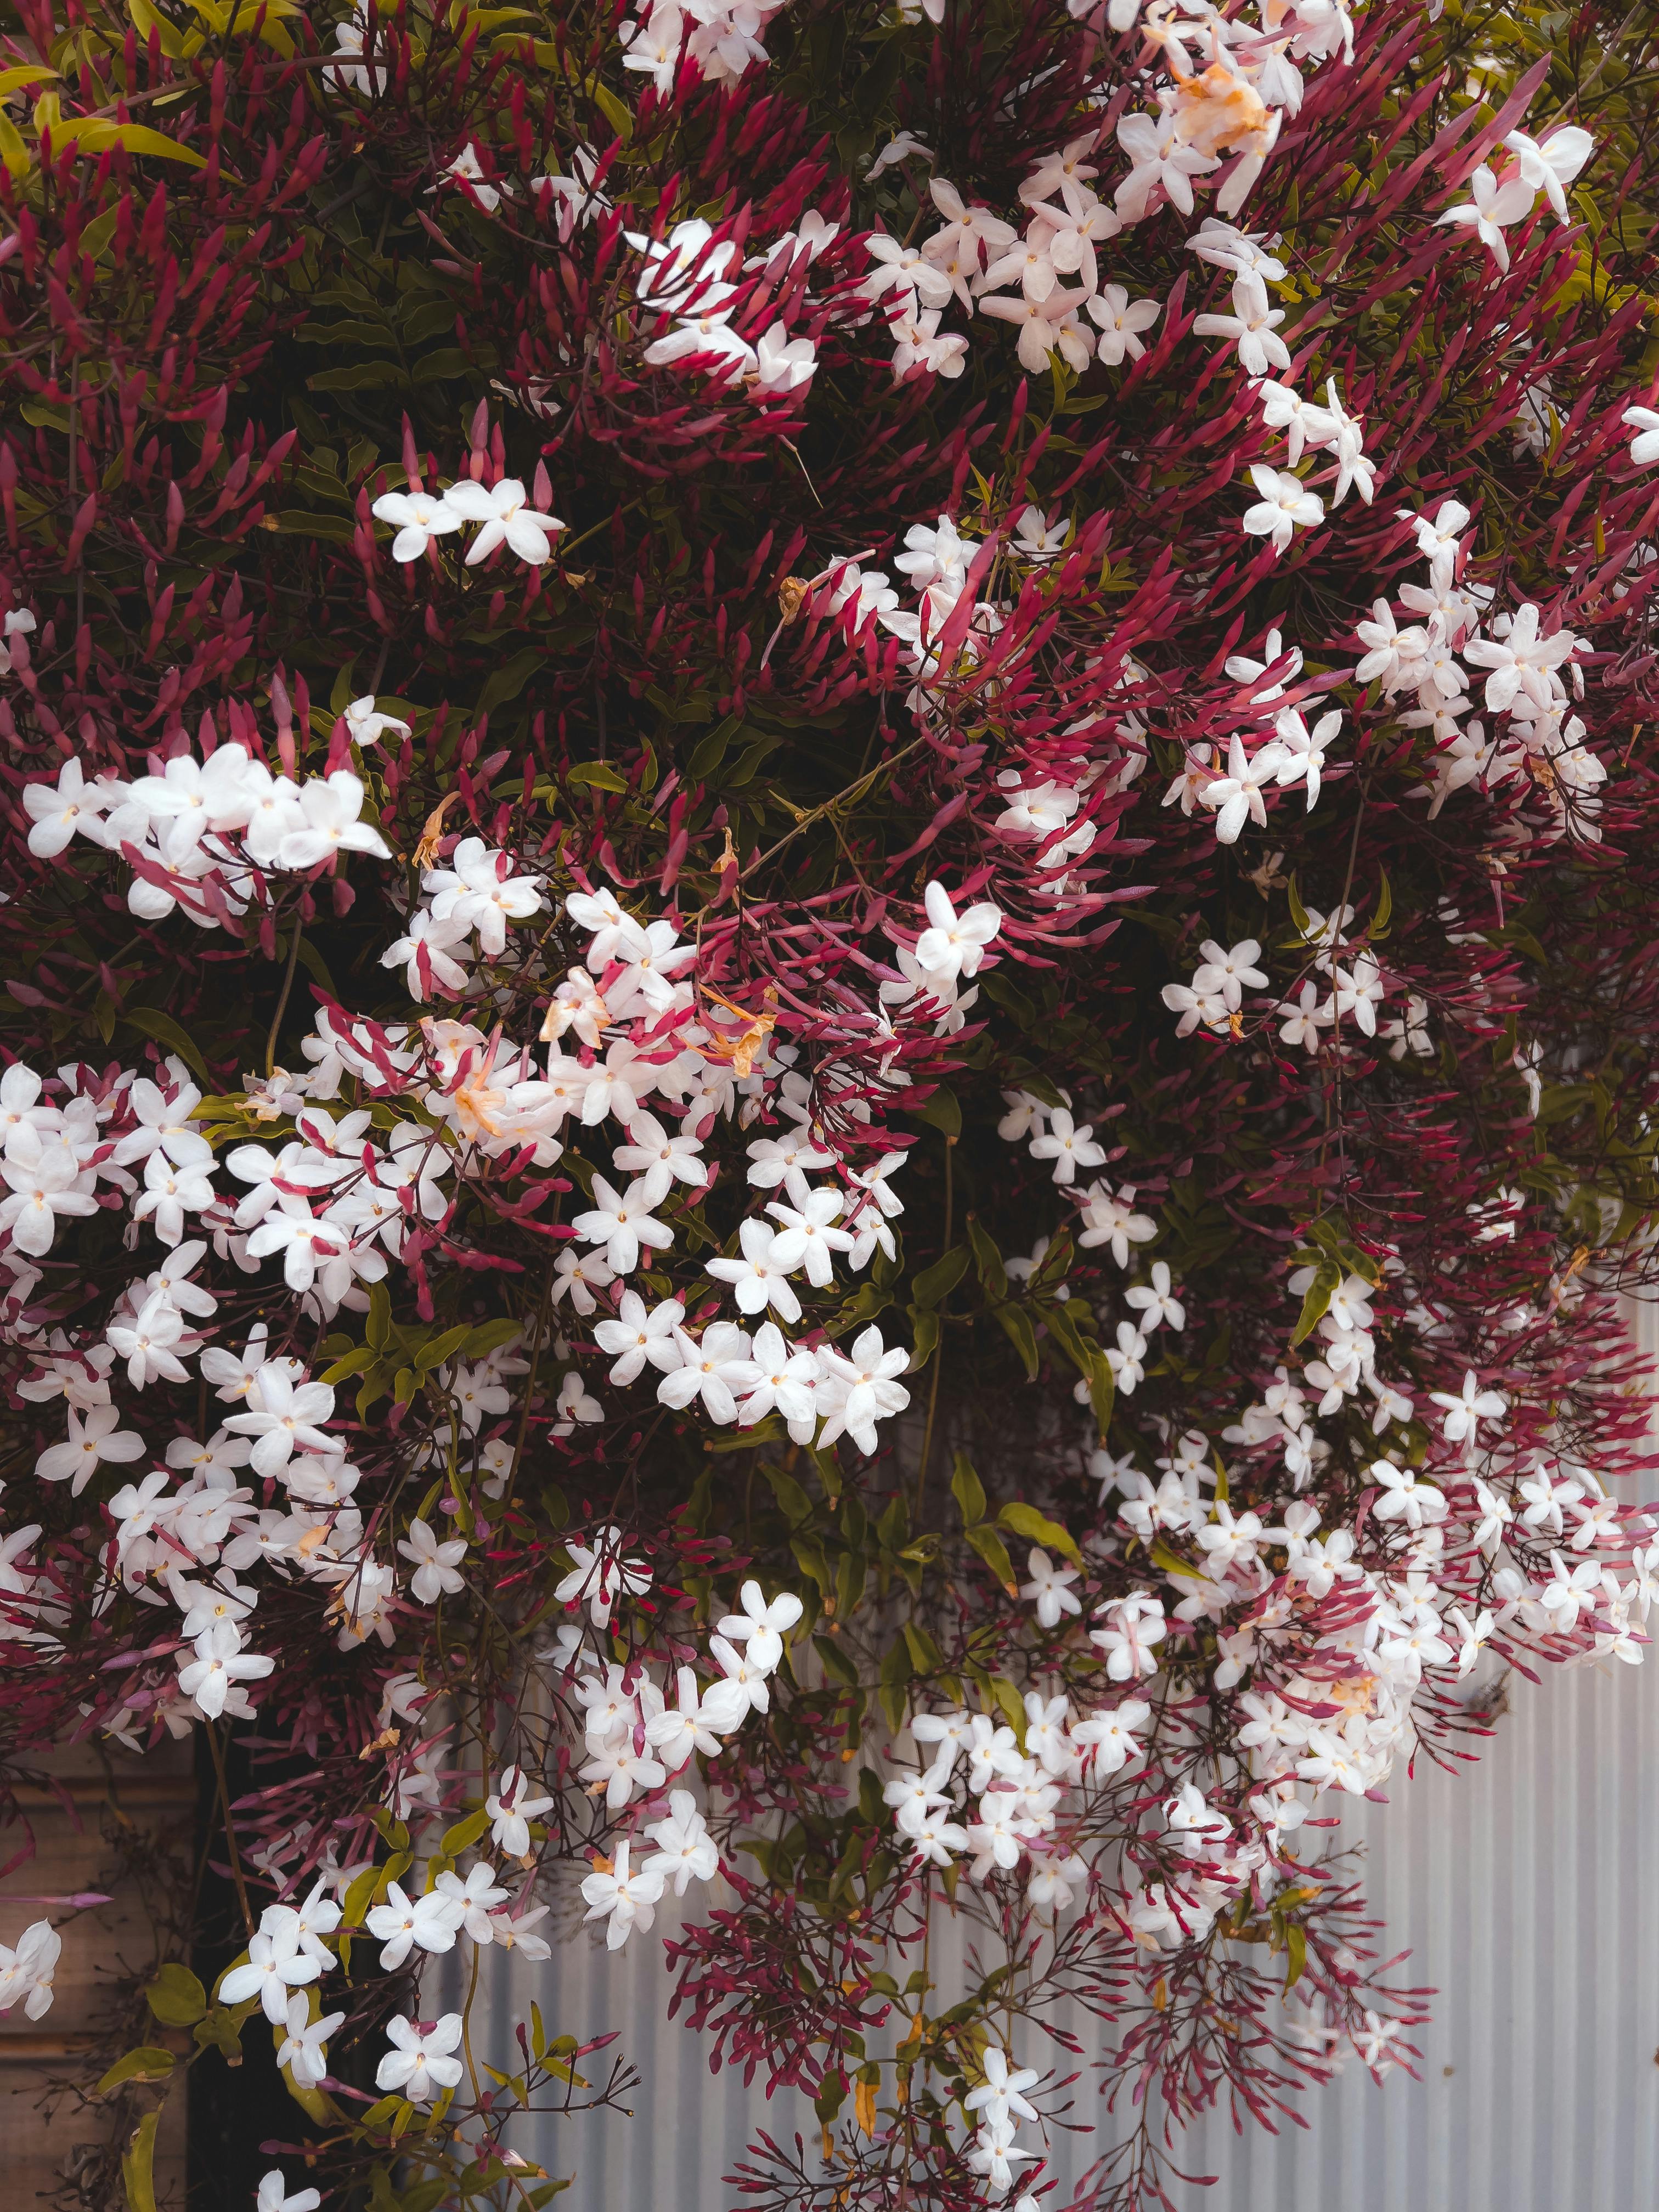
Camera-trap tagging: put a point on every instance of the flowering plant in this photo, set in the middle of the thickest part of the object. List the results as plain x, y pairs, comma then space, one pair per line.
671, 679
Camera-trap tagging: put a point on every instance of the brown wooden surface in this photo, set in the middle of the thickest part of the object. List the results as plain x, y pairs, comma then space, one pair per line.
43, 2149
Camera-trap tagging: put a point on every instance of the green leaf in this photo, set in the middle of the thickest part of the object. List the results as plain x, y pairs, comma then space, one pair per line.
149, 2063
357, 376
139, 2165
1065, 1331
943, 1112
161, 1028
510, 679
600, 774
438, 1350
222, 2030
1315, 1301
176, 1996
1026, 1521
924, 1330
938, 1281
465, 1833
360, 1355
988, 1260
835, 1661
994, 1552
489, 1336
967, 1490
792, 1500
1016, 1325
1296, 1949
94, 133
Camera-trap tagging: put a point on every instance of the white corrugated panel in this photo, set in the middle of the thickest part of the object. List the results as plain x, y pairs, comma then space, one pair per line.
1527, 1889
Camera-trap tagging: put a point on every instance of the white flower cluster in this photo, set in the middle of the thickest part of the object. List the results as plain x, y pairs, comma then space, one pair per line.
1431, 656
1217, 121
202, 836
715, 42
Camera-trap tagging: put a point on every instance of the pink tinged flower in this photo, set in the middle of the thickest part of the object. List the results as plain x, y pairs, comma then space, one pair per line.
1122, 322
1160, 163
418, 517
506, 518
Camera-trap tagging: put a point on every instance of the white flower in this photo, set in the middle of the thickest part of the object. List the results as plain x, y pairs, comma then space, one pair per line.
624, 1900
622, 1222
403, 1921
1049, 1587
685, 1850
762, 1623
301, 2048
435, 1573
418, 517
1644, 452
367, 727
330, 807
955, 945
507, 521
1155, 1301
274, 1967
93, 1437
757, 1279
1466, 1411
1237, 796
714, 1370
860, 1387
510, 1808
26, 1972
273, 2190
1253, 326
1001, 2095
1283, 504
1068, 1146
1491, 205
1552, 163
419, 2062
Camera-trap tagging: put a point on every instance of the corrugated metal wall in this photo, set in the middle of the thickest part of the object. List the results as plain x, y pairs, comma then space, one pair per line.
1527, 1892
